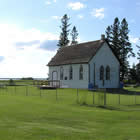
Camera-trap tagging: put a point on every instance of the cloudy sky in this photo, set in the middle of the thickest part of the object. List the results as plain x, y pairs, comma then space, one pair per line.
29, 29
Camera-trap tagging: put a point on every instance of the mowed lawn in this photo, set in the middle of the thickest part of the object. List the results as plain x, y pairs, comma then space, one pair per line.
36, 117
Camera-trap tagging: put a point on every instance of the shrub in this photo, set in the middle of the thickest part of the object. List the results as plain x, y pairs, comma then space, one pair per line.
11, 82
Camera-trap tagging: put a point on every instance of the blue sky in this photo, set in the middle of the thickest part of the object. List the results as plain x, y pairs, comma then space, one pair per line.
29, 29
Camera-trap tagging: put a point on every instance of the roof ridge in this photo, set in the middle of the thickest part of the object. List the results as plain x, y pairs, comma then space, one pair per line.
82, 53
84, 43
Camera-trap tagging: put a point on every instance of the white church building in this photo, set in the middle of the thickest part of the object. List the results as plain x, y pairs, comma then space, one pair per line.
90, 63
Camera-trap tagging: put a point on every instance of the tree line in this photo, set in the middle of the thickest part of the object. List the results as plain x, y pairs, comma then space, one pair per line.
117, 35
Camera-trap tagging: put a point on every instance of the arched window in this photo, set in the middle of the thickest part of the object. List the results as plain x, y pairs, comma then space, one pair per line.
107, 73
70, 73
61, 73
101, 73
81, 72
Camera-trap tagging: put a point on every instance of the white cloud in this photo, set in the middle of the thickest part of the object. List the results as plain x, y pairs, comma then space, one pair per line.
98, 13
56, 17
80, 16
76, 5
28, 61
49, 2
134, 40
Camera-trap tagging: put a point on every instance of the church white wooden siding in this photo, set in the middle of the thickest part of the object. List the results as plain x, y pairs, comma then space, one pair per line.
104, 57
75, 82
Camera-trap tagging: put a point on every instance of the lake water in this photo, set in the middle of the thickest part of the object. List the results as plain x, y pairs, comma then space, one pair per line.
6, 79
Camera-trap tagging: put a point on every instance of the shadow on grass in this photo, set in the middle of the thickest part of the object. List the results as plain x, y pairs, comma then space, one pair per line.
125, 108
123, 91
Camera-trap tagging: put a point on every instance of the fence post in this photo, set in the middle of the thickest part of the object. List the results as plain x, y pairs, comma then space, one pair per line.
105, 98
135, 98
119, 99
26, 90
40, 93
6, 88
56, 94
93, 97
15, 89
77, 96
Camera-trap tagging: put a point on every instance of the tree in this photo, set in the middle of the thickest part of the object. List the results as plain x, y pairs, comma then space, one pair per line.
126, 49
108, 34
63, 39
117, 36
113, 36
132, 74
74, 35
138, 72
138, 65
138, 53
11, 82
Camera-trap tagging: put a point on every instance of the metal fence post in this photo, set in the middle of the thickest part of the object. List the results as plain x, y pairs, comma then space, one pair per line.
26, 90
56, 94
135, 98
6, 88
93, 97
119, 99
105, 98
40, 93
77, 95
15, 89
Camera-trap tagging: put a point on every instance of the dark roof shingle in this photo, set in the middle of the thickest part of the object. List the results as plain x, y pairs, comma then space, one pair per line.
80, 53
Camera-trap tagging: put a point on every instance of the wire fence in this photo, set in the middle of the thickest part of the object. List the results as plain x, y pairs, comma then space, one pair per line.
79, 96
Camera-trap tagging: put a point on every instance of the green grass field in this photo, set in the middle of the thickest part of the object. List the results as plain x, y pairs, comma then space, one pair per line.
28, 114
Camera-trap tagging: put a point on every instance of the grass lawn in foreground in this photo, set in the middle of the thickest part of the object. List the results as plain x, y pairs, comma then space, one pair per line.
34, 118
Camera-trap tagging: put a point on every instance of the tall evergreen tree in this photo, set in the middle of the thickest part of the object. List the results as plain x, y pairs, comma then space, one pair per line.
113, 36
108, 34
138, 72
74, 35
138, 65
63, 39
117, 36
132, 74
126, 49
138, 53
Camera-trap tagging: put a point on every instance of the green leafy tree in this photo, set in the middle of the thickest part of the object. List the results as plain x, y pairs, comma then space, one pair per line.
74, 35
63, 39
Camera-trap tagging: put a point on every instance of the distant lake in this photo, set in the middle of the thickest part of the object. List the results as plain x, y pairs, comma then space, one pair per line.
6, 79
9, 79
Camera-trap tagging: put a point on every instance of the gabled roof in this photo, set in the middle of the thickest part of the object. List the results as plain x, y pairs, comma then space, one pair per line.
76, 54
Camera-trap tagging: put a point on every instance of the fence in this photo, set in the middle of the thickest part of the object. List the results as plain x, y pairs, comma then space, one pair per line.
80, 96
